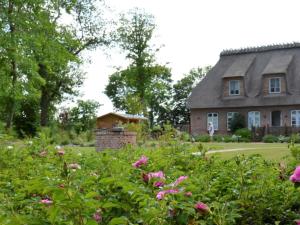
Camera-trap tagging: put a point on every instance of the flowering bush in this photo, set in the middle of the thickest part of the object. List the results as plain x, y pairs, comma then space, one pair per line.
41, 185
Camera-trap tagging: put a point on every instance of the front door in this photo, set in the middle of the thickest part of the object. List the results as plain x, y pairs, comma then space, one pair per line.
276, 118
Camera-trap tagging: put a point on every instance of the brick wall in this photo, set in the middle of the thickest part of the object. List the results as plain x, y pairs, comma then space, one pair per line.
199, 117
114, 140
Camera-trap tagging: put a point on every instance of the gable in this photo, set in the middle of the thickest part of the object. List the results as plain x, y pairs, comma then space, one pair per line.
278, 64
240, 66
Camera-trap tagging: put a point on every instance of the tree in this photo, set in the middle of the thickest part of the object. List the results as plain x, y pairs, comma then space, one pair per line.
82, 117
59, 70
40, 51
143, 86
237, 122
18, 70
181, 90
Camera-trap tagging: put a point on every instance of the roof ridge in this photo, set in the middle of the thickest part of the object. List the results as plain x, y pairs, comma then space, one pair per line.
262, 48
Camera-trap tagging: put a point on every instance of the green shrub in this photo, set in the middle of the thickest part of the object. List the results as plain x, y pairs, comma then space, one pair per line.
237, 122
269, 138
227, 139
283, 139
218, 138
295, 151
295, 138
202, 138
243, 133
184, 136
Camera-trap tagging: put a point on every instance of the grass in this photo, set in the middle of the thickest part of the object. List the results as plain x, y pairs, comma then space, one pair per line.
272, 151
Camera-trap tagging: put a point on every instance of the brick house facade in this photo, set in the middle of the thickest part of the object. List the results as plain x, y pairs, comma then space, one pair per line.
262, 84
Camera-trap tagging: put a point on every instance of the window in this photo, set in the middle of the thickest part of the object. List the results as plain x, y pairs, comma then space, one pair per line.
234, 87
295, 118
253, 119
213, 118
274, 85
230, 116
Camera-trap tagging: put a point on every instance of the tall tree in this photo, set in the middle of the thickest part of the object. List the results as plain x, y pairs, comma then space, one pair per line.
123, 90
19, 78
181, 90
135, 88
86, 31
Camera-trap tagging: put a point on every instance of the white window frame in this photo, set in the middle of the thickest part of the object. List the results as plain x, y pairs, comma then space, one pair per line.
256, 118
214, 118
296, 119
238, 87
230, 116
275, 92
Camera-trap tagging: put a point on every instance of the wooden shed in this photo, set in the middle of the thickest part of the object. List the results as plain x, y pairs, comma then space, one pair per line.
111, 120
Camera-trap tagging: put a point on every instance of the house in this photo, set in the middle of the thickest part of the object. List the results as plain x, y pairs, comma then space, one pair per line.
111, 120
261, 83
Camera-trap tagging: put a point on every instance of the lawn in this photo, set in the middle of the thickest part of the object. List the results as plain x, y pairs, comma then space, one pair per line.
273, 151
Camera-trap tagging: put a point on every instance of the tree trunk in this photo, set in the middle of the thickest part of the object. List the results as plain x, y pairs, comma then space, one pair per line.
45, 97
11, 104
44, 105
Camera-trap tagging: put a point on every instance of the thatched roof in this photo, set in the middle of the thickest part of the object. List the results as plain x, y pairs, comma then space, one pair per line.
252, 64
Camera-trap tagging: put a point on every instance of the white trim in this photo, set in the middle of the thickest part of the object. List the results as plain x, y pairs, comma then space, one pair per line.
239, 87
215, 127
274, 92
297, 111
253, 113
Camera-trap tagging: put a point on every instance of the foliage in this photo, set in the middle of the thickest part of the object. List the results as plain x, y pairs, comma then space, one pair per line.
144, 87
203, 138
283, 139
238, 122
82, 117
180, 114
141, 129
295, 138
295, 151
67, 186
269, 138
243, 133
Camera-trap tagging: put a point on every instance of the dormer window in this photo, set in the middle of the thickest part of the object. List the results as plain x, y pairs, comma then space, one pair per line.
274, 85
234, 87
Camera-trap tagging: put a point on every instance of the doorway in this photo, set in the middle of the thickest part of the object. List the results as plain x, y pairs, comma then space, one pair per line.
276, 118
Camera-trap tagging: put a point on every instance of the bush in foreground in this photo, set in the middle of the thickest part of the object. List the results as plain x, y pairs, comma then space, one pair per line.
41, 184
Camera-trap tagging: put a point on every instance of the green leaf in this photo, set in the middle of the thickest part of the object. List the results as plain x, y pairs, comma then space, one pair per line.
119, 221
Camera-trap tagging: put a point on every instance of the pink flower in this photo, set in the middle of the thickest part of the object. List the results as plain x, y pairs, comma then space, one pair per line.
158, 174
297, 222
74, 166
179, 180
142, 161
295, 178
188, 194
202, 208
158, 184
160, 195
46, 201
61, 152
97, 216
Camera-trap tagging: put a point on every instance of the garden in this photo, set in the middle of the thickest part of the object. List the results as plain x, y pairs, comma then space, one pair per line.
156, 183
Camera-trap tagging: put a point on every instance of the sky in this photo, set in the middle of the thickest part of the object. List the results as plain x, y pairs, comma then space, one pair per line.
194, 32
